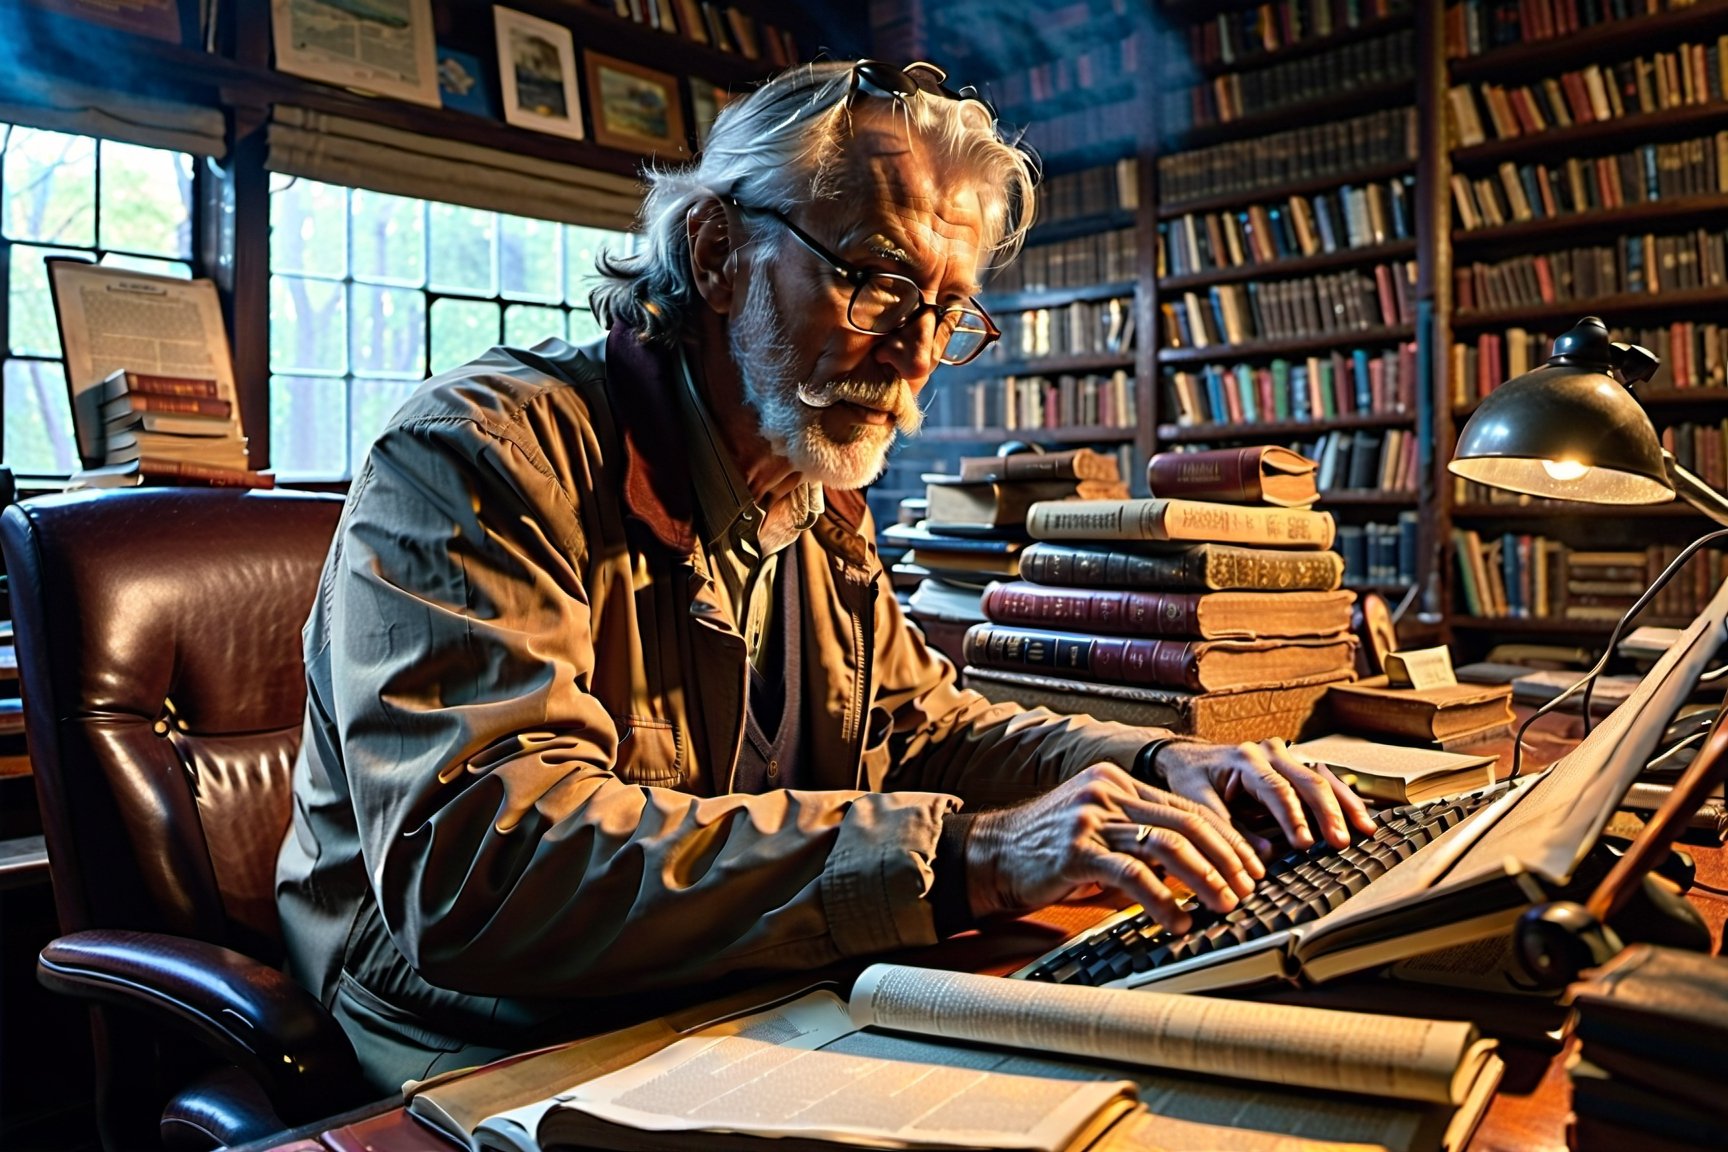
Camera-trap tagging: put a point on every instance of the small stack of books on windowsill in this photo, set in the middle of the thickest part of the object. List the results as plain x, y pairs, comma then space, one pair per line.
170, 430
1211, 609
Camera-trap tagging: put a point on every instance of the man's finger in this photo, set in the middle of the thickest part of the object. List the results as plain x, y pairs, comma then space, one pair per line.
1214, 836
1219, 888
1128, 874
1316, 792
1277, 795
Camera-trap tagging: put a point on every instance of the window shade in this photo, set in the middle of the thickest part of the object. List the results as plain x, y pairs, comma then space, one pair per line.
358, 154
57, 105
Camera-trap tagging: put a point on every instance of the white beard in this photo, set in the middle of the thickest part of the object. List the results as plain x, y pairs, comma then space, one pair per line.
790, 410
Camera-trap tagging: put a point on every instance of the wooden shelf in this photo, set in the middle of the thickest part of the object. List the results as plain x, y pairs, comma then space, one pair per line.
1613, 309
1676, 510
1395, 588
1367, 30
1352, 101
1243, 198
1647, 398
1252, 349
1000, 302
1366, 498
1565, 142
1601, 220
1611, 40
1099, 362
1344, 258
1278, 429
1073, 434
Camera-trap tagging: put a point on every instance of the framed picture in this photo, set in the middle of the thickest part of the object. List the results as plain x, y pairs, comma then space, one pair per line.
706, 100
635, 108
464, 85
537, 73
380, 46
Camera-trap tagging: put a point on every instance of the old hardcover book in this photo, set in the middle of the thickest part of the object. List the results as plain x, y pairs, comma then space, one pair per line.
915, 1058
1205, 615
1439, 713
1265, 473
987, 504
123, 383
1194, 521
1199, 567
1198, 665
1222, 717
1074, 464
1392, 774
1666, 1005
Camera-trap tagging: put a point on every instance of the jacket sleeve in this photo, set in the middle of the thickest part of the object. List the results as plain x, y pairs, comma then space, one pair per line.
944, 738
505, 853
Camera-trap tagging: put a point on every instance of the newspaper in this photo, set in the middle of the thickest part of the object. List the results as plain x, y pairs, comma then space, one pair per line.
380, 46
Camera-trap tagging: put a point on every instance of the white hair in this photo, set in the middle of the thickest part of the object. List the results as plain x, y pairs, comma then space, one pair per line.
779, 147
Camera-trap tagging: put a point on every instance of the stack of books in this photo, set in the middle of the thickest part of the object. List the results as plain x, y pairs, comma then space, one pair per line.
172, 430
1212, 609
975, 530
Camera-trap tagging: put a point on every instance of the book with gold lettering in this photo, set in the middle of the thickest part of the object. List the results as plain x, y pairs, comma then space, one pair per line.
1197, 665
1203, 615
1259, 474
1200, 567
1197, 521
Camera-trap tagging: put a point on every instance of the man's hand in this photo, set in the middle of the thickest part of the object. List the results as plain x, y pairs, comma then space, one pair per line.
1303, 798
1104, 827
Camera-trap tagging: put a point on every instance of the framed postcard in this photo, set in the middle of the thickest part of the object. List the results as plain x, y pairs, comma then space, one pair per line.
464, 85
379, 46
537, 73
635, 108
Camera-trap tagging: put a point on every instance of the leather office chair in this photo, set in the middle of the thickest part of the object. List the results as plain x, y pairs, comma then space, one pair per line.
158, 637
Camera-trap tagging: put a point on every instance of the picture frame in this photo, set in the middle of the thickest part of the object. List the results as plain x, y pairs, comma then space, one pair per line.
537, 73
464, 83
340, 43
637, 109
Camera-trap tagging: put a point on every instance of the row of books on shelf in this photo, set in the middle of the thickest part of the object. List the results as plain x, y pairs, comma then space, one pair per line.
722, 26
1093, 191
1687, 74
1701, 449
1019, 403
1320, 387
1099, 257
1648, 174
1088, 68
1315, 151
1246, 36
1328, 303
1346, 217
1382, 554
1694, 354
1477, 26
1365, 460
1085, 327
1647, 263
1526, 576
1232, 96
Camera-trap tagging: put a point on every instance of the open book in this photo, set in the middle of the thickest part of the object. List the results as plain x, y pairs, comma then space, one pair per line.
926, 1059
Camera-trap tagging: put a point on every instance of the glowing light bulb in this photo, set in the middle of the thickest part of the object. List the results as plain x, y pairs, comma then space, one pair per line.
1565, 469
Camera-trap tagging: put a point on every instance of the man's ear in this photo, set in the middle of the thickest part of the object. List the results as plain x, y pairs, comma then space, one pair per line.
713, 260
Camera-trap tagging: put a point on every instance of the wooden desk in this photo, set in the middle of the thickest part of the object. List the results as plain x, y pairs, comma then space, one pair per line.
1527, 1115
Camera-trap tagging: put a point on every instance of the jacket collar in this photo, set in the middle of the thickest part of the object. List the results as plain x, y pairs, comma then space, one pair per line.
641, 381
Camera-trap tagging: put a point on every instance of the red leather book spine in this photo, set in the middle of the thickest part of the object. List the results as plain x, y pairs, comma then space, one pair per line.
1228, 474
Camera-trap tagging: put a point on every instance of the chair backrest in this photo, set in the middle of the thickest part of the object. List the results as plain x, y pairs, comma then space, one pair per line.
159, 652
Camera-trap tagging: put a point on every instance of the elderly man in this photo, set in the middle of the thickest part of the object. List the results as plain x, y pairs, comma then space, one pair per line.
608, 689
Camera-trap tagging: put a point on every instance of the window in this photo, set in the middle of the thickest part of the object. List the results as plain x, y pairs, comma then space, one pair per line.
64, 195
370, 294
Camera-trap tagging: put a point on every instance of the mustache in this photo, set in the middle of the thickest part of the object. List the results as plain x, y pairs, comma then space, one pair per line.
892, 396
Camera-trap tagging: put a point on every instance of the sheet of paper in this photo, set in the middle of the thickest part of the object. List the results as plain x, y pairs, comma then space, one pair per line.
1355, 754
781, 1073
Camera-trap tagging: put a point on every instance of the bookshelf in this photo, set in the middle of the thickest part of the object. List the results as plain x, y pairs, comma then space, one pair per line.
1285, 214
1585, 173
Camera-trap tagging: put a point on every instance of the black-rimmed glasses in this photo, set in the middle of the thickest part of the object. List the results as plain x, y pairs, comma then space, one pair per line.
885, 302
879, 78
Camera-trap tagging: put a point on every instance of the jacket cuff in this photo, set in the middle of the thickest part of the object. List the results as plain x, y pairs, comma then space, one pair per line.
876, 886
948, 900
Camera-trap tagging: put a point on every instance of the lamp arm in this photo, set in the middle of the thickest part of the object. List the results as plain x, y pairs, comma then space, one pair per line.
1694, 491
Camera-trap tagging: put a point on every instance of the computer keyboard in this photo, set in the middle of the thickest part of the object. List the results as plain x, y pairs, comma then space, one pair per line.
1298, 887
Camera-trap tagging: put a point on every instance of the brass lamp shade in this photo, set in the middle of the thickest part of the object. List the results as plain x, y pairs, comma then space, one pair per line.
1569, 430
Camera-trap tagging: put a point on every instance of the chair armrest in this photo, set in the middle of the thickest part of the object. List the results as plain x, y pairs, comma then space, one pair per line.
244, 1011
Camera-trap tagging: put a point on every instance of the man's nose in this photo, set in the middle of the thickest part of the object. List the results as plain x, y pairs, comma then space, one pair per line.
911, 349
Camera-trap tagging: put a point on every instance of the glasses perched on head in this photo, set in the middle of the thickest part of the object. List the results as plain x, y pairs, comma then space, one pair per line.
880, 78
884, 302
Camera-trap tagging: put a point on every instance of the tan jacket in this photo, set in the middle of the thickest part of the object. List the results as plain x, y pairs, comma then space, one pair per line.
526, 697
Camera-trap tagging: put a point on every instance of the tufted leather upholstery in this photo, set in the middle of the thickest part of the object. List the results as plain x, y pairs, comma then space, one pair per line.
158, 634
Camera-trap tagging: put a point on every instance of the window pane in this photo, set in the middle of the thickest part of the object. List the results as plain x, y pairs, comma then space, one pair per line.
146, 200
388, 331
50, 184
30, 308
39, 437
371, 404
461, 330
530, 259
464, 250
525, 325
582, 247
309, 427
308, 326
309, 229
145, 264
583, 326
388, 234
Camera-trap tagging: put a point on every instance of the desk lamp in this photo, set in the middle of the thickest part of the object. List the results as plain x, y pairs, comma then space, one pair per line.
1572, 430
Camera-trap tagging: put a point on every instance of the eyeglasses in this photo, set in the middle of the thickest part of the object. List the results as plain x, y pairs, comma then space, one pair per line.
884, 302
880, 78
